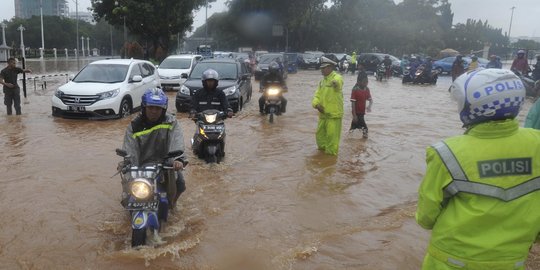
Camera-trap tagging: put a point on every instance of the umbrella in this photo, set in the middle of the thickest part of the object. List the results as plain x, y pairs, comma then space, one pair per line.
447, 52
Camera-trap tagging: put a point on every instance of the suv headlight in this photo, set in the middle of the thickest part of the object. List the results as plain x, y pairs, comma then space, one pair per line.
229, 91
184, 90
58, 93
108, 94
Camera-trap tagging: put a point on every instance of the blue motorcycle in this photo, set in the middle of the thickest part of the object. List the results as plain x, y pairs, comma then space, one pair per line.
148, 191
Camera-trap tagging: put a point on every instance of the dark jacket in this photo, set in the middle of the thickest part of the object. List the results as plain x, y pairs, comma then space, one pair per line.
272, 78
209, 99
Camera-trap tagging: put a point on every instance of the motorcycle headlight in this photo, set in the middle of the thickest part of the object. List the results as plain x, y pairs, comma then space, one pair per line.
58, 93
141, 189
229, 91
210, 118
273, 91
184, 90
108, 94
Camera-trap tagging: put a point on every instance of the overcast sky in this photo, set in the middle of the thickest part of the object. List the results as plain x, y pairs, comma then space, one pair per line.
525, 22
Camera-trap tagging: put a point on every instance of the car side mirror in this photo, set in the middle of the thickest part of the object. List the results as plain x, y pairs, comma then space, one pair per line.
71, 77
246, 76
184, 75
136, 78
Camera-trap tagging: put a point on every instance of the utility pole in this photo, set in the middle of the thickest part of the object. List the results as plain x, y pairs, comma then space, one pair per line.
77, 23
206, 24
42, 51
511, 17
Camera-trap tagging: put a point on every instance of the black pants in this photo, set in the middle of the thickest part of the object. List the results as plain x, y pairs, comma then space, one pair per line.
283, 104
12, 97
180, 183
360, 124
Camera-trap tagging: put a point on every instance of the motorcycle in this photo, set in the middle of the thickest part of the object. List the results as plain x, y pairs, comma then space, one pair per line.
420, 76
381, 72
408, 75
208, 143
272, 100
344, 66
532, 87
150, 190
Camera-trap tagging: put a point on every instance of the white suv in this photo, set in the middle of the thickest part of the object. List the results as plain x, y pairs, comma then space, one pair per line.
171, 69
105, 89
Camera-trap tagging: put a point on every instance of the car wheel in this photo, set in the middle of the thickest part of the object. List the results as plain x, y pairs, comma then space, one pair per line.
125, 108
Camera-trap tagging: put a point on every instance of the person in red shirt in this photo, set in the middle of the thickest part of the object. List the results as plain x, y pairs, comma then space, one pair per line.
359, 96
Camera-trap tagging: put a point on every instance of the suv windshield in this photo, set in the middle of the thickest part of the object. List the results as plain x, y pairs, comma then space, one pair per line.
226, 71
176, 63
267, 58
102, 73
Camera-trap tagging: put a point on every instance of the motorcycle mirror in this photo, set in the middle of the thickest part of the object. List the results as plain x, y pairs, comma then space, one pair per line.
121, 152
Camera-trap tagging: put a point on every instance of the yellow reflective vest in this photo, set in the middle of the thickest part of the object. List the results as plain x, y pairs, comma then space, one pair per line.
329, 97
480, 196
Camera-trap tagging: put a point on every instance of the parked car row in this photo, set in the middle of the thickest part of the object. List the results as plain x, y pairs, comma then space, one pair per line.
445, 64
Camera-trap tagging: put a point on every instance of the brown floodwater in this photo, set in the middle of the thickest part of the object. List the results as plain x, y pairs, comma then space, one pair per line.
274, 203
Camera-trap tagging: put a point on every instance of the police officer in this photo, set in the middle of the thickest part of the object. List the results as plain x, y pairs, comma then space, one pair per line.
12, 92
328, 100
481, 189
209, 97
273, 77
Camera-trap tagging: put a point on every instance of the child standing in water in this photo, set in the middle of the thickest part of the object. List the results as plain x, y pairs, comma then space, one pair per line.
359, 95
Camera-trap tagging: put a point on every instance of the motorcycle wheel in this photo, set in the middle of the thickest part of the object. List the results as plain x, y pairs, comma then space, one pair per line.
271, 118
138, 237
211, 159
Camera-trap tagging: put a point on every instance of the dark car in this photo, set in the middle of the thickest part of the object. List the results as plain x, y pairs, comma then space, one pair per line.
234, 80
266, 59
371, 60
310, 59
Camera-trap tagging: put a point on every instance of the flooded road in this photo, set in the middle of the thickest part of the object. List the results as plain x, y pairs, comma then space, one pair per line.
274, 203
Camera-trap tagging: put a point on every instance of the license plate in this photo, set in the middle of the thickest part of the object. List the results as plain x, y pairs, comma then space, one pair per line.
76, 108
212, 128
143, 205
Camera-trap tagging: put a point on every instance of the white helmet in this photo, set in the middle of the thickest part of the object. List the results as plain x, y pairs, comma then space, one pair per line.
488, 94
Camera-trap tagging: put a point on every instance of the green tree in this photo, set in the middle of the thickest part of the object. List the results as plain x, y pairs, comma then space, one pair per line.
152, 21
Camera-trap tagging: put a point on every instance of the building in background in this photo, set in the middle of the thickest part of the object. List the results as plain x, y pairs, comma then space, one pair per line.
27, 8
83, 16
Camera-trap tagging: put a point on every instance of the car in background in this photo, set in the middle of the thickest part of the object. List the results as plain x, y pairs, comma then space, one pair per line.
105, 89
310, 59
372, 60
234, 80
171, 69
264, 62
444, 65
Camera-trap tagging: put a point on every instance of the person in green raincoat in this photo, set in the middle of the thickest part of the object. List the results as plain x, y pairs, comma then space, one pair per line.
328, 100
480, 189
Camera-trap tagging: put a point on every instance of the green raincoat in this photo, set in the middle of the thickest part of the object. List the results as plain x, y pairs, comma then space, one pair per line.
329, 126
479, 197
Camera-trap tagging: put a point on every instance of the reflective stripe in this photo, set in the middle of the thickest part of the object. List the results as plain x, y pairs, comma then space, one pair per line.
455, 262
203, 102
460, 182
493, 191
147, 131
215, 103
450, 161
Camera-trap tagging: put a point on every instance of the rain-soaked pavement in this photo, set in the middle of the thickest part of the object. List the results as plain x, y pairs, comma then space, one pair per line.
274, 203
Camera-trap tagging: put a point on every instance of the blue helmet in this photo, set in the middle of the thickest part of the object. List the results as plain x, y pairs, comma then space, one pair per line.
154, 97
488, 94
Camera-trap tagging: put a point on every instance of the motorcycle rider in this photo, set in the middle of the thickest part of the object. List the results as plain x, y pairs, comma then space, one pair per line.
520, 63
536, 71
494, 62
209, 97
465, 198
273, 77
387, 63
474, 63
151, 135
352, 65
428, 66
458, 67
